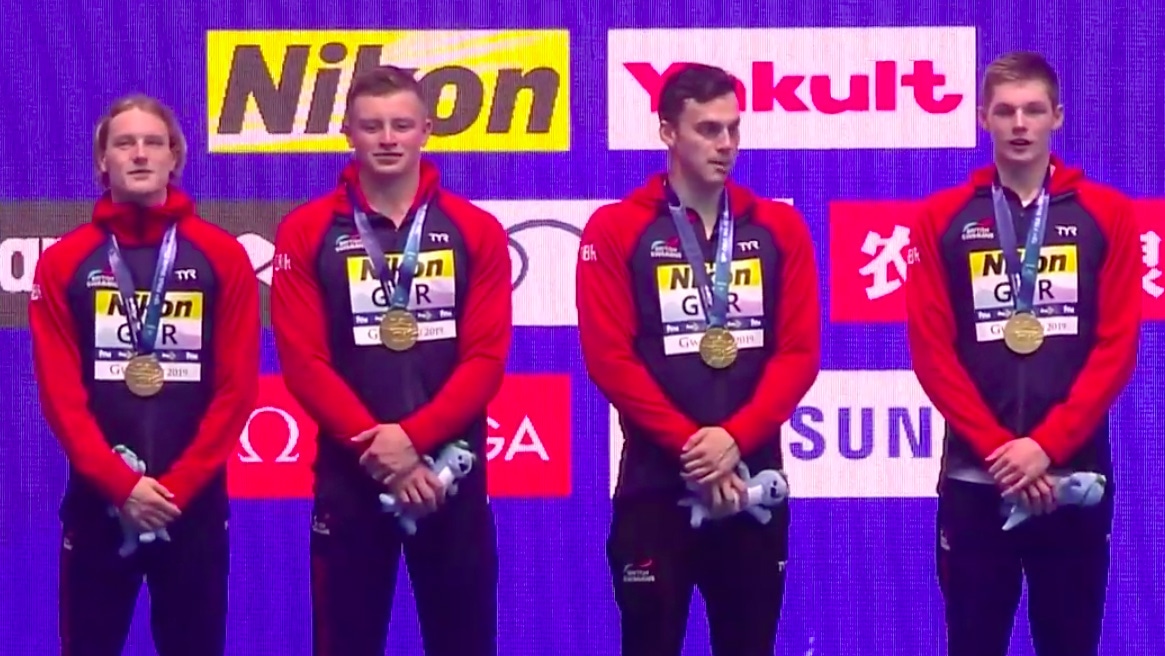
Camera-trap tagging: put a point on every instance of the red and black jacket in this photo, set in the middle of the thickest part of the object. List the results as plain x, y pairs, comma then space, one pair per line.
638, 325
80, 341
336, 368
1087, 296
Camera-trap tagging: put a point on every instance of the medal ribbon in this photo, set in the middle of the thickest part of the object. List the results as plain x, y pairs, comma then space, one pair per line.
713, 293
1022, 276
398, 295
143, 325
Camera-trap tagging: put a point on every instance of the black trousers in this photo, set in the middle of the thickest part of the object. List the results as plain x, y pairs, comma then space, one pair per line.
981, 568
657, 558
452, 564
186, 579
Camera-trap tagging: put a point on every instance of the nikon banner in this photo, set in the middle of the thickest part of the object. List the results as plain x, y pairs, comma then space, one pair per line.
489, 90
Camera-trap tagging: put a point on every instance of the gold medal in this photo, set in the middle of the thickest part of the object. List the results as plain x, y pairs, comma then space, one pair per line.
399, 330
718, 348
1023, 333
144, 376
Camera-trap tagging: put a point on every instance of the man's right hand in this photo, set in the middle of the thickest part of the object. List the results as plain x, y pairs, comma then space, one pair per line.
390, 452
709, 454
149, 506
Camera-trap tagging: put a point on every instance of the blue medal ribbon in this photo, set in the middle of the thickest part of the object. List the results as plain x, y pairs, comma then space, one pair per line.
713, 292
1022, 276
143, 325
398, 294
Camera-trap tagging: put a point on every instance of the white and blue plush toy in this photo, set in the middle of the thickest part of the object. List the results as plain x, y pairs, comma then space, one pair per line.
453, 463
768, 489
131, 536
1079, 489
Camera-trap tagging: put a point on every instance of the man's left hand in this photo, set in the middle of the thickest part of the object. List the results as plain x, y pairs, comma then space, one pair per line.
709, 454
726, 496
1039, 498
1018, 464
419, 491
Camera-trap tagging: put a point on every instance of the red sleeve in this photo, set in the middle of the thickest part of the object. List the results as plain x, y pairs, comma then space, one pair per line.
606, 324
236, 364
795, 361
483, 333
930, 330
57, 366
299, 321
1114, 356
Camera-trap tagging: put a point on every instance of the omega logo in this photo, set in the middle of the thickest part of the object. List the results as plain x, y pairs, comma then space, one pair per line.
290, 452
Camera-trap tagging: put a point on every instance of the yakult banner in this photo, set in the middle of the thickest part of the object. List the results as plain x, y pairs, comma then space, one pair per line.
856, 111
878, 88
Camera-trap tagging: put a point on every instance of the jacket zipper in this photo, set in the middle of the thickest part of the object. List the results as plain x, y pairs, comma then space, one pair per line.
1021, 419
1021, 373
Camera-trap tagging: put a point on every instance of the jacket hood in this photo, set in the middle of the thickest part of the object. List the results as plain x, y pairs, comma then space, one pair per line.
1064, 178
135, 225
653, 194
430, 182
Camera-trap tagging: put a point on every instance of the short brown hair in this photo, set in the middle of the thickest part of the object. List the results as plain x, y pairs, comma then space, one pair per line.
149, 105
1020, 66
699, 83
382, 81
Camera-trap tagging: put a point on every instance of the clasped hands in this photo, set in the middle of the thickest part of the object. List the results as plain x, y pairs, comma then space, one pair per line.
392, 461
150, 506
709, 460
1020, 471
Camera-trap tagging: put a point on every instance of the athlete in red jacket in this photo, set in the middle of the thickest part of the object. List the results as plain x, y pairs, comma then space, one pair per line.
170, 383
703, 370
391, 305
1024, 359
